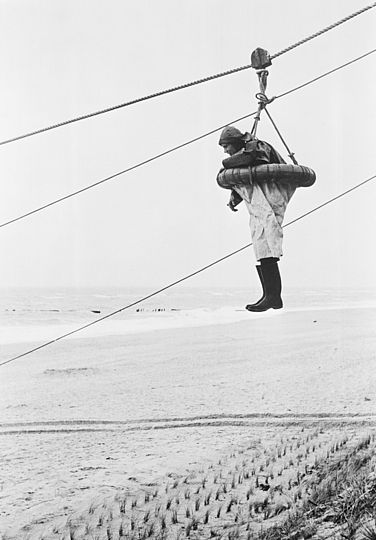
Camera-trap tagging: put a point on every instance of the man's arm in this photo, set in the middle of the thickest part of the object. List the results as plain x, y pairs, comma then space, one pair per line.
255, 153
243, 158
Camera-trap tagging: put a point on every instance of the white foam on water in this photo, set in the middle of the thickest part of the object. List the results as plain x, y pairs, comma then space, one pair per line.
147, 322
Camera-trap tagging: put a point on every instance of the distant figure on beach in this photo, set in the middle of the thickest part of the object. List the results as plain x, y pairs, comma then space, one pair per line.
266, 203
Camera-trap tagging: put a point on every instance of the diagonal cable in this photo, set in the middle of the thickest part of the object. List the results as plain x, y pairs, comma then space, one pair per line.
192, 274
323, 31
129, 169
185, 85
191, 141
311, 81
126, 104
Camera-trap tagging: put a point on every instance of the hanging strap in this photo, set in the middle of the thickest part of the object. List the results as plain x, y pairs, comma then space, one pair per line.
261, 59
289, 153
263, 79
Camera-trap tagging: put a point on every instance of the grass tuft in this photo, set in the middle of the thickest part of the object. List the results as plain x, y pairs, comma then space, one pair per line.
174, 517
368, 532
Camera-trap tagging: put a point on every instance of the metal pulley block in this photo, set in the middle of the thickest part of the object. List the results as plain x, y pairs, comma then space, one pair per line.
260, 59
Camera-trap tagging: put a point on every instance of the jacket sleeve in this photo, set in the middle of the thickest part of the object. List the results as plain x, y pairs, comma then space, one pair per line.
256, 152
240, 159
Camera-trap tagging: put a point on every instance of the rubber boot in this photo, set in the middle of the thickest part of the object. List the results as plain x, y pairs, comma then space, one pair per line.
272, 286
261, 277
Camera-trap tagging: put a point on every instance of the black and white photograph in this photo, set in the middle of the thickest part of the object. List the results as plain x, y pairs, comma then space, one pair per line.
187, 277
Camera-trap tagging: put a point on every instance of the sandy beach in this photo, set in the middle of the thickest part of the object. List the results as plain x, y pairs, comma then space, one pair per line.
96, 416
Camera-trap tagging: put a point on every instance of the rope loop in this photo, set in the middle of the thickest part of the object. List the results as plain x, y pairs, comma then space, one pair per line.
173, 149
263, 99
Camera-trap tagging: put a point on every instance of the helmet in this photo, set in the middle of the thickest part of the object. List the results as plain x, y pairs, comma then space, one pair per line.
229, 134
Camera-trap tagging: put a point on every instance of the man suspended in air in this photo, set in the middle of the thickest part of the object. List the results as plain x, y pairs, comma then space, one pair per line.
266, 203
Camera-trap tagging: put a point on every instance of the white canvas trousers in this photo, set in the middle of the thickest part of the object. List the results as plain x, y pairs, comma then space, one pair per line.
266, 204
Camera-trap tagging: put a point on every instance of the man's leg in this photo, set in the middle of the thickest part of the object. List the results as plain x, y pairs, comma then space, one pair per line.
272, 286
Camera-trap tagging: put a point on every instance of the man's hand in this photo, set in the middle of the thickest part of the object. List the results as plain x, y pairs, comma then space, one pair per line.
235, 199
232, 207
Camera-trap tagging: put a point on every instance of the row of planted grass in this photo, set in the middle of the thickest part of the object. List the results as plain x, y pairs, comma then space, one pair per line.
289, 488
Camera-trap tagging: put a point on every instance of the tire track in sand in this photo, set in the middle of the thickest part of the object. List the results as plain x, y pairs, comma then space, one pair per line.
204, 421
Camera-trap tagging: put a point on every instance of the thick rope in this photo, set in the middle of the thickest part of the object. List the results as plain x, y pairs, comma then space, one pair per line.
126, 104
323, 31
192, 274
181, 86
191, 141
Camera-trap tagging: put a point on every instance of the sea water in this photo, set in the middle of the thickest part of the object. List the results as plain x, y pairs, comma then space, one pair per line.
37, 314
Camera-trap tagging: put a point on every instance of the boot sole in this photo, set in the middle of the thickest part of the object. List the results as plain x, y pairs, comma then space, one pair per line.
255, 309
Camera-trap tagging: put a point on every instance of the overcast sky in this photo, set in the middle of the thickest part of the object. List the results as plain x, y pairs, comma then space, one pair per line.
60, 59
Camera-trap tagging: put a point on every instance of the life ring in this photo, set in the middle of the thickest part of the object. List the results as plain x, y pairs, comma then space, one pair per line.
298, 175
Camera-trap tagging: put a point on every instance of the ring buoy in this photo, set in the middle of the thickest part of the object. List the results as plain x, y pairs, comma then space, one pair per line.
298, 175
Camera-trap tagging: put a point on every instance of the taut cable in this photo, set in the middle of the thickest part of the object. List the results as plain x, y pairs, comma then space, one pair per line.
182, 86
192, 274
